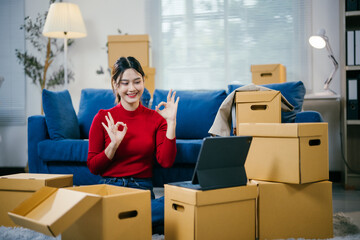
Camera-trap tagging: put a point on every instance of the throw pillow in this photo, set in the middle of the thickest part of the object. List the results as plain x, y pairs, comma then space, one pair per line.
91, 101
196, 111
60, 115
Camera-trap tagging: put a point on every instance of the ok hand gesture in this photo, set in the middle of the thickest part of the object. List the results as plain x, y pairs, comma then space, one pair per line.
170, 107
111, 128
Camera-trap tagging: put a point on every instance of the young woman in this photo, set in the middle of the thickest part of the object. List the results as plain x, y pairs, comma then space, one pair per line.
124, 140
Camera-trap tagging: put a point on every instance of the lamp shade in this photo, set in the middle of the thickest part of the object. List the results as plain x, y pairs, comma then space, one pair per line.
319, 40
64, 20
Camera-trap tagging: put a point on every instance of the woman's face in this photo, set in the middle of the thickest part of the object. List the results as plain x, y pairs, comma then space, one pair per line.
130, 88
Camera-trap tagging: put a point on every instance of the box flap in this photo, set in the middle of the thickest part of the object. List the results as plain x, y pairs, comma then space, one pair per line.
209, 197
106, 190
128, 38
264, 67
52, 210
33, 182
282, 129
255, 96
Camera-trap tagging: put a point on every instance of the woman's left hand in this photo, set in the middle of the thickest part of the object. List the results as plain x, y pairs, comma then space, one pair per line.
170, 107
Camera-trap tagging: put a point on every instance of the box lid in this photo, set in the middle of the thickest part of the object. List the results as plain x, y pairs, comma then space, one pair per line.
264, 67
33, 182
51, 211
283, 129
255, 96
209, 197
128, 38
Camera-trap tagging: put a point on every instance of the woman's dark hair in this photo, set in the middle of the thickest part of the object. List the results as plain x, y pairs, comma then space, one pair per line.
122, 64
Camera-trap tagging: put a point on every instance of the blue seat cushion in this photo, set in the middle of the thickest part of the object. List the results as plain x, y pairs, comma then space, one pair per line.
187, 150
308, 116
196, 111
92, 100
70, 150
294, 92
60, 116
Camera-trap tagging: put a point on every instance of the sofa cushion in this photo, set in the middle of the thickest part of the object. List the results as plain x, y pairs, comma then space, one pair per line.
70, 150
294, 92
60, 115
187, 150
92, 100
196, 111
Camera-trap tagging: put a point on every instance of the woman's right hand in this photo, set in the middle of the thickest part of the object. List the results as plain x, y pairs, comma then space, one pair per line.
115, 135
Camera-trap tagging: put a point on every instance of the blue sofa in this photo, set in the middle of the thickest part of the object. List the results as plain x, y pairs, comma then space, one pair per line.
57, 142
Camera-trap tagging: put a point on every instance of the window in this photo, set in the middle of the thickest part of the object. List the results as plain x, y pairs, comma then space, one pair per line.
12, 76
207, 44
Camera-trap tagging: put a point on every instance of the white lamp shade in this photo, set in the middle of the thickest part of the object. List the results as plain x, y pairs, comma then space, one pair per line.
317, 42
64, 20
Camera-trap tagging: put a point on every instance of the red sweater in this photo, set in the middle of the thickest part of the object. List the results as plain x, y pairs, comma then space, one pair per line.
144, 141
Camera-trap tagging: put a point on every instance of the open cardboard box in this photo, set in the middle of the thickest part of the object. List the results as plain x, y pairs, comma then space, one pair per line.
294, 210
290, 152
87, 212
268, 73
16, 188
258, 107
226, 213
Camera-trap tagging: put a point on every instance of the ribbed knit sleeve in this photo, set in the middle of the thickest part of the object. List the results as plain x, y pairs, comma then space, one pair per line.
165, 148
97, 161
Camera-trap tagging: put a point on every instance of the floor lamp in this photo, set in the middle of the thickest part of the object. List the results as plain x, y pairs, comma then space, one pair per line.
64, 20
320, 41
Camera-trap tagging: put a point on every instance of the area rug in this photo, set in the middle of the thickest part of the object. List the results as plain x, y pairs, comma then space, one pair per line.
344, 229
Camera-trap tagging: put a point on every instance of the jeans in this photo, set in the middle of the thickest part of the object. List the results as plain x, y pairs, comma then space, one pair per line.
157, 205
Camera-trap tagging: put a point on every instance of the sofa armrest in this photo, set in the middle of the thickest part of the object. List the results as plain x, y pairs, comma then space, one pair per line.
37, 132
308, 116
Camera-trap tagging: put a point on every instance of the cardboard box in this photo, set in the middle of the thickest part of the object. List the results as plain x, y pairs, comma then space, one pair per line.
290, 153
88, 212
295, 211
128, 45
16, 188
227, 213
258, 106
268, 73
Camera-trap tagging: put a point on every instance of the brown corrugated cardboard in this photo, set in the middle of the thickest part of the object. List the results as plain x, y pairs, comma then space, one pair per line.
268, 73
88, 212
227, 213
122, 213
258, 107
290, 153
128, 45
295, 211
51, 210
16, 188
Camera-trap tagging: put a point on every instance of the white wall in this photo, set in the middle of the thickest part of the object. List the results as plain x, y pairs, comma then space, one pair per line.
325, 14
103, 18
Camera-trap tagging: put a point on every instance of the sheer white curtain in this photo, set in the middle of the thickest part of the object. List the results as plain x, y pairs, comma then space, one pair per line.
207, 44
12, 90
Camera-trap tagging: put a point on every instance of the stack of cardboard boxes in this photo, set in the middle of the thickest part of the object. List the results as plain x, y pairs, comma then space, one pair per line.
289, 164
288, 195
